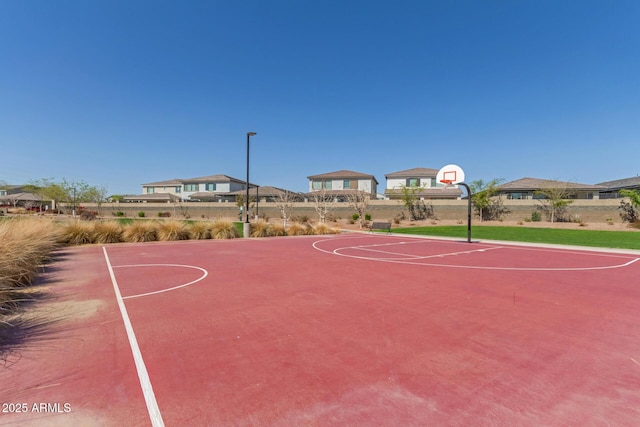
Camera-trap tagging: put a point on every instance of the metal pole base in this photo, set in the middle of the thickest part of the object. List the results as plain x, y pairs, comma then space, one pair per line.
246, 229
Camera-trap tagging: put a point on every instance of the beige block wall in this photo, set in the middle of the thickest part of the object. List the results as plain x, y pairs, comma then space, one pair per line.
586, 210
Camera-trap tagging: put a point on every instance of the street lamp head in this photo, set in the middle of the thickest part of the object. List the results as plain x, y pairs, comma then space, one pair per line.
251, 134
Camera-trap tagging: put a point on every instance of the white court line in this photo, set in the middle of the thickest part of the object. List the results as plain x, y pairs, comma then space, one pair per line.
143, 375
411, 257
413, 261
205, 274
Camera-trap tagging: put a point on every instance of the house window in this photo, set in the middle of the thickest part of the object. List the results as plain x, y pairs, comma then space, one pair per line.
347, 184
211, 186
433, 182
191, 187
413, 182
327, 185
149, 190
178, 189
316, 185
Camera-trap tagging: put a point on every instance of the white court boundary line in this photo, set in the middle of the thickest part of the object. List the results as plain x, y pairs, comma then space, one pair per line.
145, 382
205, 274
411, 259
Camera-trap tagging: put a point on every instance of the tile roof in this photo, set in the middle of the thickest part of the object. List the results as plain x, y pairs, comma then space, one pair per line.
622, 183
413, 173
536, 184
343, 174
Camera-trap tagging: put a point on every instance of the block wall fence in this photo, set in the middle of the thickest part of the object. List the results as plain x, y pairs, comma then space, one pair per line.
380, 210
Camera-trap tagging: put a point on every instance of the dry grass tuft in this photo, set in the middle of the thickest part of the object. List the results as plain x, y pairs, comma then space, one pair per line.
140, 231
200, 230
25, 244
107, 232
325, 229
297, 229
78, 233
172, 230
261, 229
222, 229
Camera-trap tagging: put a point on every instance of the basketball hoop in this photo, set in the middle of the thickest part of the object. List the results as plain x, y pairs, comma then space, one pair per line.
454, 175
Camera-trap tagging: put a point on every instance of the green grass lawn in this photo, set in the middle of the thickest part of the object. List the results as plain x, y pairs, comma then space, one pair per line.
596, 238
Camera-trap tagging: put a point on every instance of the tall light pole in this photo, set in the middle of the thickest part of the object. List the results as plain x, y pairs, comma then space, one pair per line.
246, 227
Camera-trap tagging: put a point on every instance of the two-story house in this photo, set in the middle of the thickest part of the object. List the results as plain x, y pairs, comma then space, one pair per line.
423, 180
340, 183
205, 188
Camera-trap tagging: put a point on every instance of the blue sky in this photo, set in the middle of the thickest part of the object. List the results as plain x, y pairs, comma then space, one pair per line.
121, 93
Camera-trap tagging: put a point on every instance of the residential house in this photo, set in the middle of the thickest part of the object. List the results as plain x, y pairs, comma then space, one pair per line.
207, 188
529, 188
343, 182
265, 194
422, 179
613, 188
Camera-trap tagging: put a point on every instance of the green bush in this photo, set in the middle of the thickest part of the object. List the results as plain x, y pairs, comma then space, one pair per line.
119, 213
535, 216
355, 217
367, 217
141, 214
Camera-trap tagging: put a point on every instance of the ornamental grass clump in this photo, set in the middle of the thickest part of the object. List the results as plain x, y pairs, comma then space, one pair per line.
200, 230
325, 229
172, 230
222, 229
78, 233
140, 231
25, 245
261, 229
297, 229
107, 232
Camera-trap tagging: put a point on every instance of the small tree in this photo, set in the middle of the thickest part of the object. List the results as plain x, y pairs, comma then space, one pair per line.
555, 199
284, 202
485, 203
323, 203
628, 213
418, 210
359, 201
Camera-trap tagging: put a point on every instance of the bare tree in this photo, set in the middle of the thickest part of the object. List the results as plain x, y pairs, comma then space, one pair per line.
284, 202
359, 200
323, 203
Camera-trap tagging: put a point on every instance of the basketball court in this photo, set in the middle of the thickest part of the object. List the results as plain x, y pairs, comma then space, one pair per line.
350, 329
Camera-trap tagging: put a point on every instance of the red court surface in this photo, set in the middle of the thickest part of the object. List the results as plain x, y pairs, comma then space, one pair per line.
345, 330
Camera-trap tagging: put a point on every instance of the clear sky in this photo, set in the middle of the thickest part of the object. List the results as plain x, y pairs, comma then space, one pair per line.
125, 92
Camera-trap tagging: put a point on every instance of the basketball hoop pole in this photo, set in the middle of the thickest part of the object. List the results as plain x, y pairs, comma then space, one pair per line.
468, 211
448, 182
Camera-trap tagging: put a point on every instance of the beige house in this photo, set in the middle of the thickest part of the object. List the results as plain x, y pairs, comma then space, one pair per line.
343, 182
206, 188
528, 188
613, 188
421, 179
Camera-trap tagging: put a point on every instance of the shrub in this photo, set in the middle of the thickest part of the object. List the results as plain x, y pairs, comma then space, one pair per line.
535, 216
78, 233
628, 213
119, 213
224, 230
172, 230
261, 229
355, 217
200, 230
367, 217
164, 214
140, 231
141, 214
88, 215
107, 232
278, 230
297, 229
324, 229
